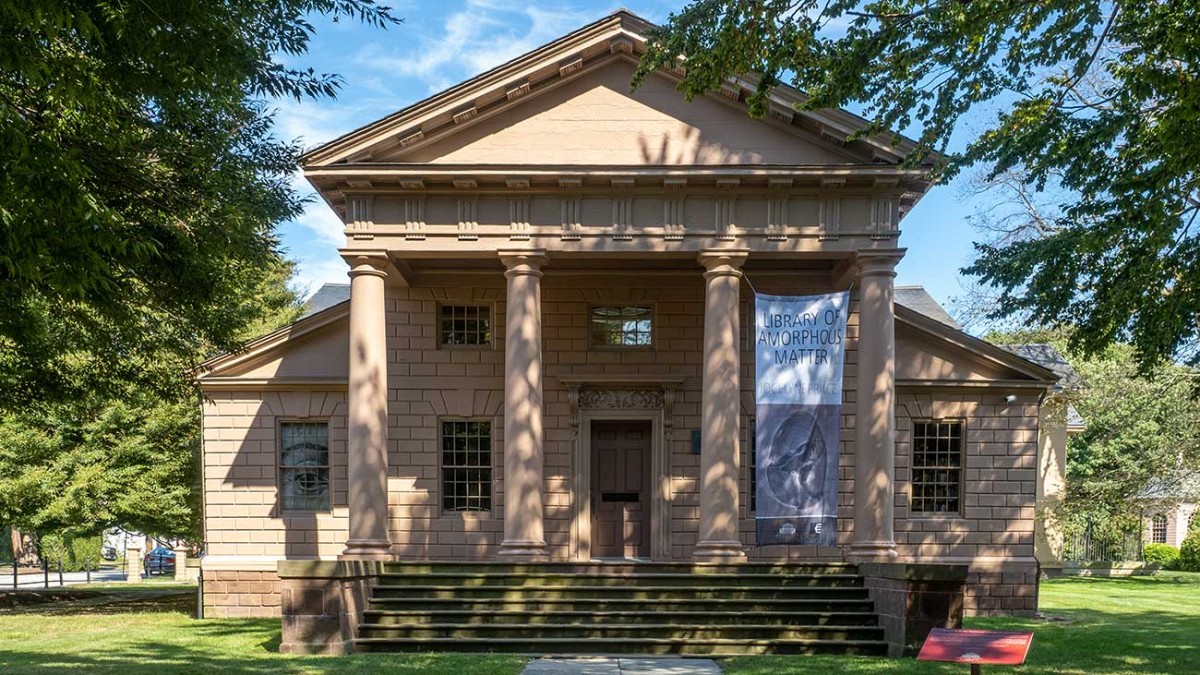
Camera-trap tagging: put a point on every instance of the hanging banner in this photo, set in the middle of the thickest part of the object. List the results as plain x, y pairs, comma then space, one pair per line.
800, 353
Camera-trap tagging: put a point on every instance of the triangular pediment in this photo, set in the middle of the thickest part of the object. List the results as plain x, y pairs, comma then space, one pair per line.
569, 103
595, 120
928, 351
315, 350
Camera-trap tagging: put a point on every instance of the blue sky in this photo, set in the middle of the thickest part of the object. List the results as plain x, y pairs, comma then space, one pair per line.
443, 43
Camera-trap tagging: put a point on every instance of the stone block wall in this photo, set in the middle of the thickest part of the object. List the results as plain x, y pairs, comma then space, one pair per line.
242, 594
999, 588
243, 520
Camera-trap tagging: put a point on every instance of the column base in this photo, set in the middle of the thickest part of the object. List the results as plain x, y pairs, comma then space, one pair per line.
719, 551
873, 551
367, 549
523, 550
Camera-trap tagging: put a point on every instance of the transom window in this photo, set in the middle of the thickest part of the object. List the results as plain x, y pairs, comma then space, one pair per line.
304, 466
937, 466
461, 325
466, 465
1158, 529
622, 326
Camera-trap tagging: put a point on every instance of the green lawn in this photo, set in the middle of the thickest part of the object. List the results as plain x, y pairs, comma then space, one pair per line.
1137, 626
1134, 626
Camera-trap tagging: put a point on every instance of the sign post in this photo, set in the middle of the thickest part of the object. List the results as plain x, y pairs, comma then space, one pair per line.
976, 647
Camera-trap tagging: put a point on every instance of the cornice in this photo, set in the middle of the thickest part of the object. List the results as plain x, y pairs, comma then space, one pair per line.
235, 383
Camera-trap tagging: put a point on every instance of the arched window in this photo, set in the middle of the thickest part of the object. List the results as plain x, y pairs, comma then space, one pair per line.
1158, 529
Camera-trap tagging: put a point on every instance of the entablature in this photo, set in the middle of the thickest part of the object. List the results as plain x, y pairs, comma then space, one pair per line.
415, 208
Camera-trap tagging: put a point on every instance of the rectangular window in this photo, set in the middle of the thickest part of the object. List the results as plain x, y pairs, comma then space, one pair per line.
937, 460
622, 326
465, 325
466, 465
1158, 529
304, 466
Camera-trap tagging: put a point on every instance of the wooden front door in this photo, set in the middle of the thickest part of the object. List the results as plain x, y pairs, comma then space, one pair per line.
621, 488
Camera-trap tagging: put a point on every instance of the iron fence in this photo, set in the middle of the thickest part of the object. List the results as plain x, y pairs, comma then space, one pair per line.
1089, 547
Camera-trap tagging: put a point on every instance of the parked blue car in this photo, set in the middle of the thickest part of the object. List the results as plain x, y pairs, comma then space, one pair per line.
159, 560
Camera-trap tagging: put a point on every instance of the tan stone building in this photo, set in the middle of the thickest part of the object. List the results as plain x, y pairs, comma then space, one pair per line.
545, 353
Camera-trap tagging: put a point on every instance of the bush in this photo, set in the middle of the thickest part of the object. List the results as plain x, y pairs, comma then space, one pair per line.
1189, 552
73, 550
1164, 554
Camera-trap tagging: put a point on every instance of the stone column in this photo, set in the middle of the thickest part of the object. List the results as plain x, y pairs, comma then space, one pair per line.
133, 564
1051, 483
524, 536
367, 411
720, 408
181, 557
875, 409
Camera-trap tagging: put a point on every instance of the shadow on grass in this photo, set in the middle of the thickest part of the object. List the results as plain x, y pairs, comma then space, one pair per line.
102, 602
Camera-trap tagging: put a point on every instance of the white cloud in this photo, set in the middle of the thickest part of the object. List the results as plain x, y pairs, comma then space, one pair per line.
313, 272
484, 34
320, 221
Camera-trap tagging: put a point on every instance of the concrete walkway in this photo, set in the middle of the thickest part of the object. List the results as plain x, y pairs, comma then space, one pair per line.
622, 666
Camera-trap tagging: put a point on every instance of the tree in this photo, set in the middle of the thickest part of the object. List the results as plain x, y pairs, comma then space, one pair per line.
1141, 428
1098, 100
130, 459
141, 182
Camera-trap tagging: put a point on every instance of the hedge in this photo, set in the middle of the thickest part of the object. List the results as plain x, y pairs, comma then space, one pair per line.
73, 550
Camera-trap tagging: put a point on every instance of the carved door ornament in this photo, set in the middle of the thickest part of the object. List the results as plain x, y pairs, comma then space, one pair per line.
583, 396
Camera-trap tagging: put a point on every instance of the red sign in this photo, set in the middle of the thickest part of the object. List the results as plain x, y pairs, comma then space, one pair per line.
1002, 648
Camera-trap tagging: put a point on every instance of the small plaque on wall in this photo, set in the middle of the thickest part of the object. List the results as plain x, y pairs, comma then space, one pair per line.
695, 441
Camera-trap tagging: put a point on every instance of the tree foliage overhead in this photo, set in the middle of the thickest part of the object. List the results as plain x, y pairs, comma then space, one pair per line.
1097, 99
140, 180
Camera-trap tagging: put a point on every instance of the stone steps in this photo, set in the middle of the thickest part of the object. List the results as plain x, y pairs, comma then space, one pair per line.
621, 608
546, 646
617, 630
624, 580
615, 593
605, 616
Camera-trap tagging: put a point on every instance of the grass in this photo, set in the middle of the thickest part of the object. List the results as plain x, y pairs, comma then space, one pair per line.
1130, 626
149, 629
1139, 626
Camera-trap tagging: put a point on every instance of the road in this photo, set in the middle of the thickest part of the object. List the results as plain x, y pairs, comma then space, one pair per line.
35, 579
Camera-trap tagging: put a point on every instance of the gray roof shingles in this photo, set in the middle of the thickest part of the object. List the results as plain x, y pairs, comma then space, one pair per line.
919, 300
1047, 356
326, 296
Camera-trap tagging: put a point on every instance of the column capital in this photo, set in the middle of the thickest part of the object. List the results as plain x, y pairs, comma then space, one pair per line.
723, 262
881, 262
523, 261
368, 263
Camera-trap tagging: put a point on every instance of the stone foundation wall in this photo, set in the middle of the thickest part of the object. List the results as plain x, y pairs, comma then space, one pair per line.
912, 599
323, 603
1002, 589
241, 594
